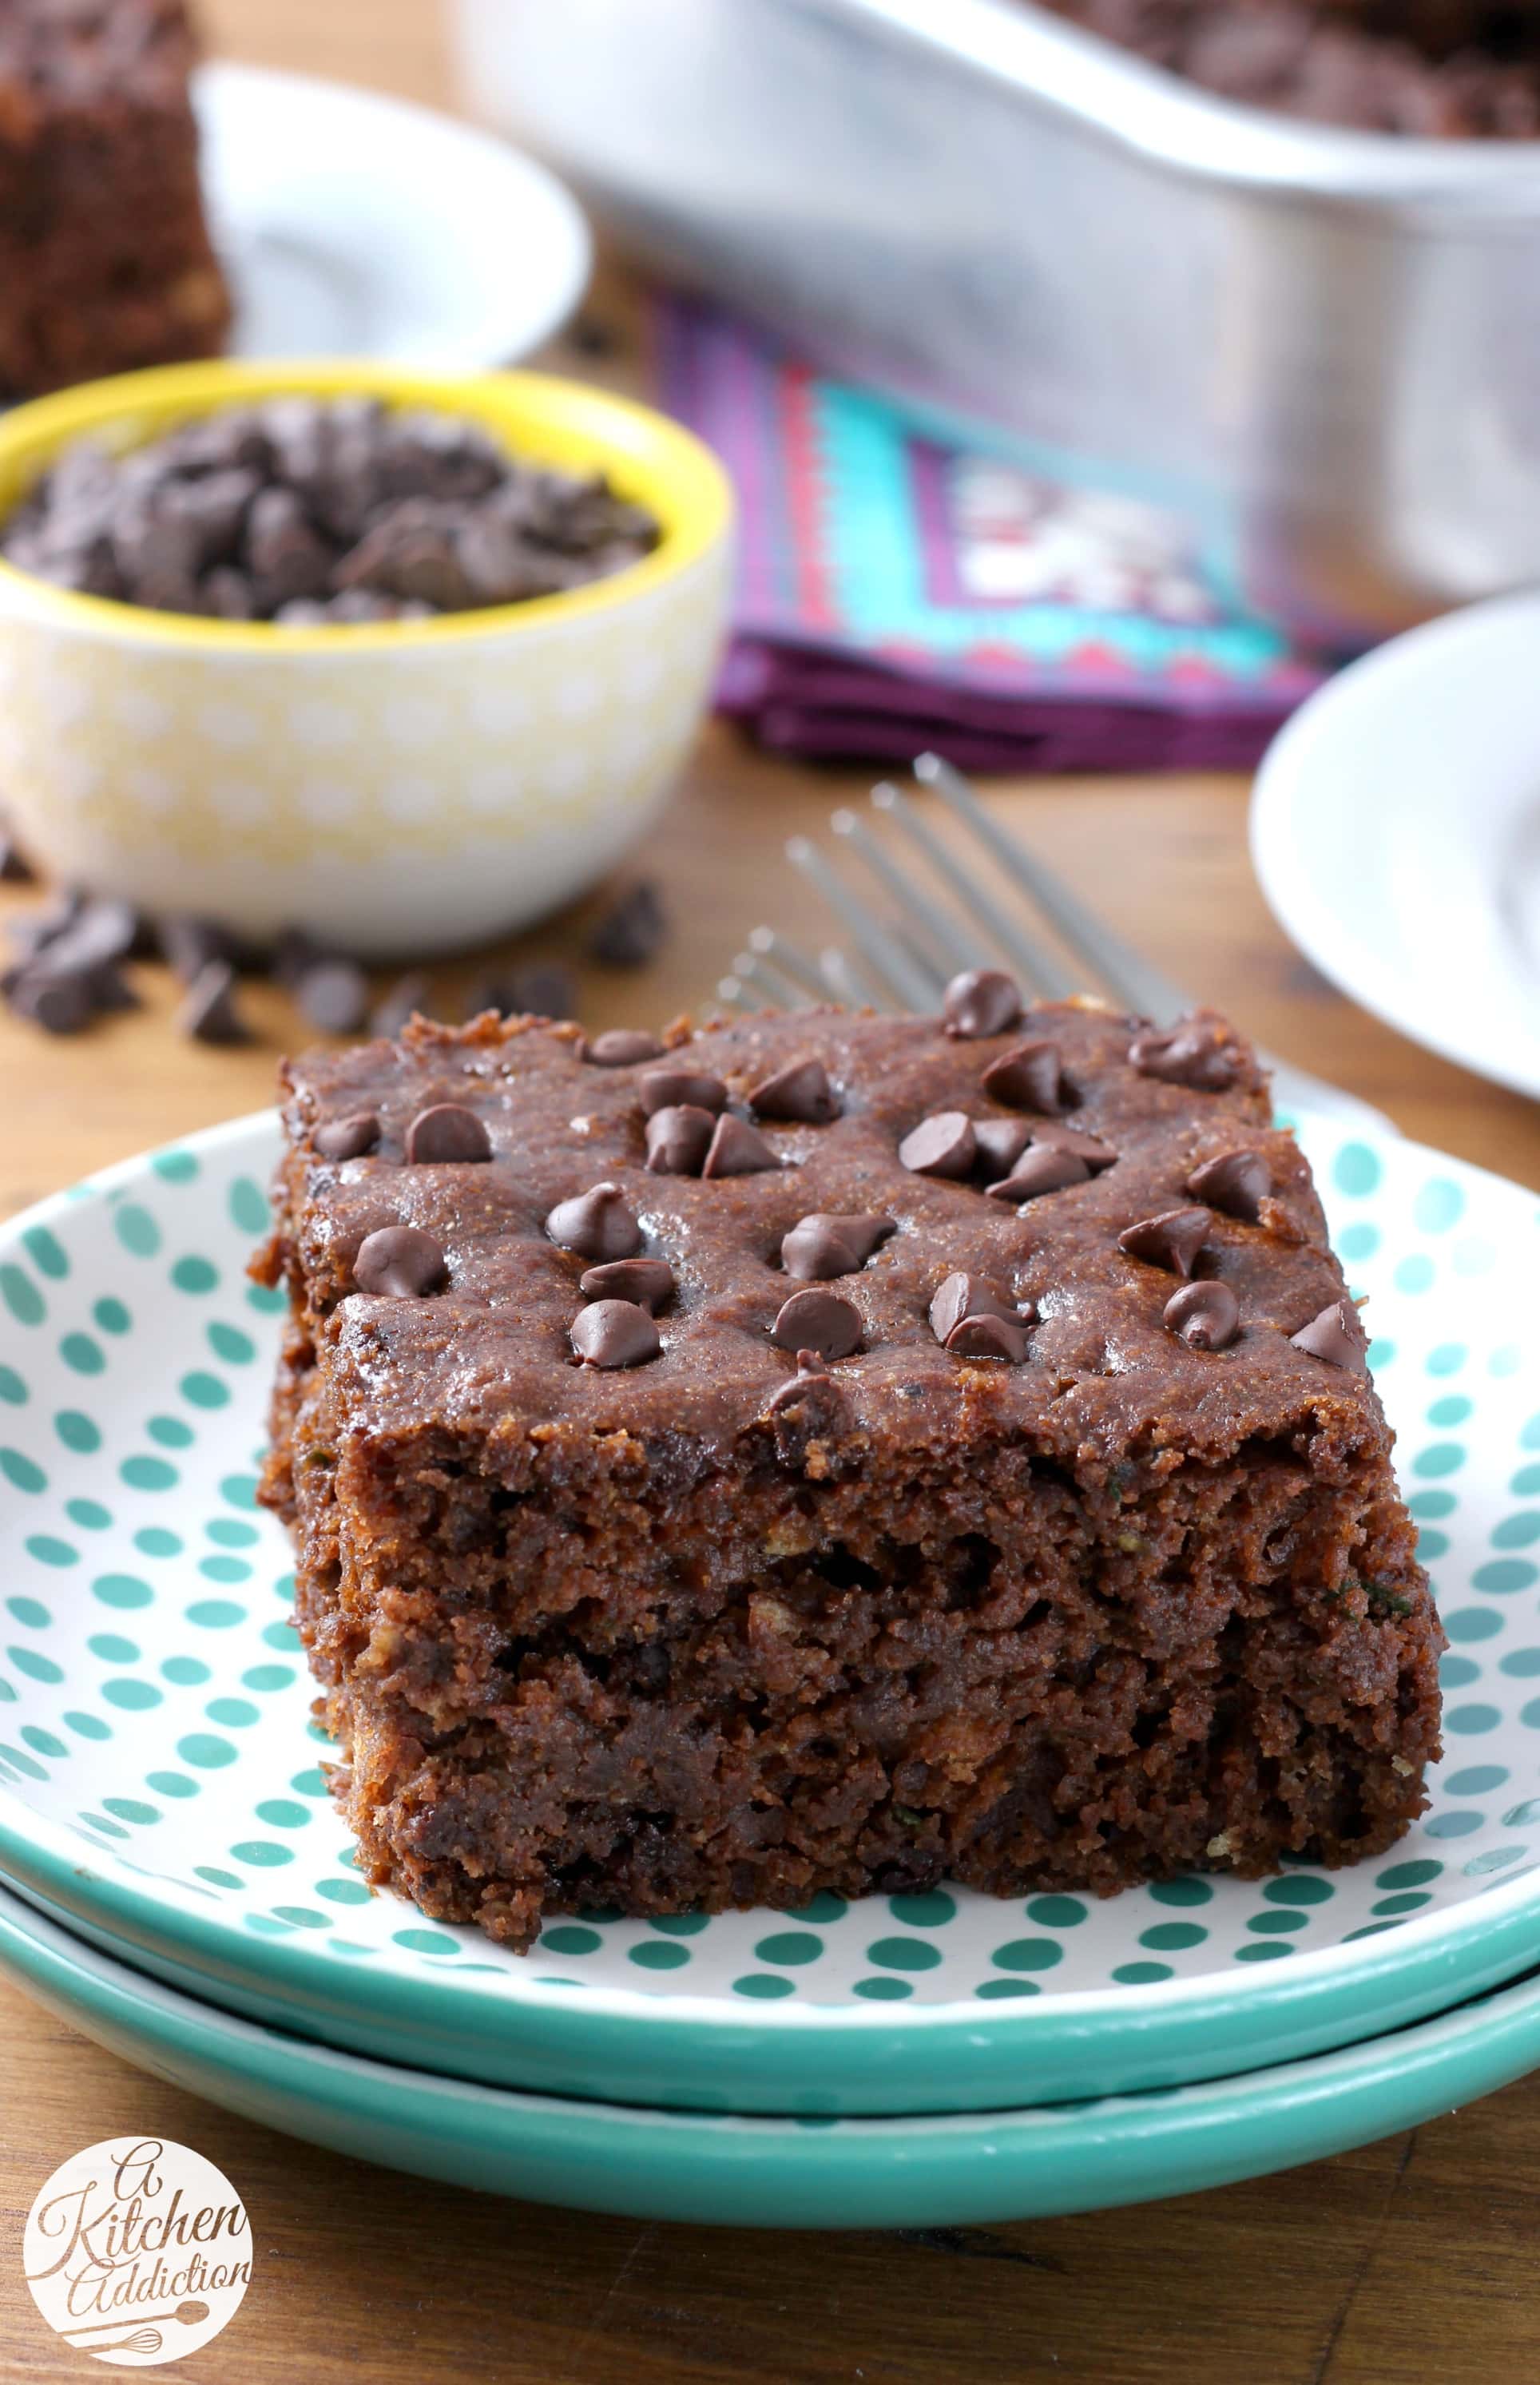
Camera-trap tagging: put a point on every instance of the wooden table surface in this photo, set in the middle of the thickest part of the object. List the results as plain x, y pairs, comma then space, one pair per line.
1412, 2260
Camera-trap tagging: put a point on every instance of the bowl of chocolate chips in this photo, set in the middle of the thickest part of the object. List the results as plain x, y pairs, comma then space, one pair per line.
403, 661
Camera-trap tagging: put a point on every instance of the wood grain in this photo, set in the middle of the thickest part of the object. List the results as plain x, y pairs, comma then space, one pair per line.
1407, 2261
1165, 859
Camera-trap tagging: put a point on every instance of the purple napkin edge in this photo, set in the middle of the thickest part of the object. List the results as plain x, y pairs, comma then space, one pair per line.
758, 670
1070, 739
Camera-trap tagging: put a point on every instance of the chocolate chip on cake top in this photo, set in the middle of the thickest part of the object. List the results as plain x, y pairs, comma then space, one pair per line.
739, 1168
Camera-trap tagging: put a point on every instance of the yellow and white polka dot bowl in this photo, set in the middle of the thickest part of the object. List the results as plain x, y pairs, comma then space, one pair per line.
403, 786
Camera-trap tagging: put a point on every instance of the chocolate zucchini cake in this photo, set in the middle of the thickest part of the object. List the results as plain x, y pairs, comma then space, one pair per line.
106, 262
825, 1451
1428, 69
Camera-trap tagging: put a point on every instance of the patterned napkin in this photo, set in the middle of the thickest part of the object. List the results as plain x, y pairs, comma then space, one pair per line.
897, 592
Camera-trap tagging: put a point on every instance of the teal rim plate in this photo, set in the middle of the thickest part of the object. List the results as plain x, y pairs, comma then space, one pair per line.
767, 2172
161, 1785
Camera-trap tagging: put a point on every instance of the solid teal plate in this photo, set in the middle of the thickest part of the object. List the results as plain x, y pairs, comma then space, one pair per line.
782, 2173
162, 1789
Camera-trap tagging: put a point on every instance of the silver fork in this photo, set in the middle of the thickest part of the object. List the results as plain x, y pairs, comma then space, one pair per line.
902, 962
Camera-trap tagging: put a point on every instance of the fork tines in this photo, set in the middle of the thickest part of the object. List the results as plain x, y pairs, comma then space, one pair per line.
904, 960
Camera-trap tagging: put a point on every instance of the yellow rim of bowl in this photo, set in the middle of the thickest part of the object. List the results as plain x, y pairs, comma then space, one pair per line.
650, 460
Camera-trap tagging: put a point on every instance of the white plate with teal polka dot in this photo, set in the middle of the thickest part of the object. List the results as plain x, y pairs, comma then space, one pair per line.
161, 1786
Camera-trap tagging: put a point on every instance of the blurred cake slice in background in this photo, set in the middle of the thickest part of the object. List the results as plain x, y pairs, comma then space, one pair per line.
106, 262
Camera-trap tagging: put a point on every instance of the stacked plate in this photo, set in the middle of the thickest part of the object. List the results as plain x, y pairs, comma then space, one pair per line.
177, 1883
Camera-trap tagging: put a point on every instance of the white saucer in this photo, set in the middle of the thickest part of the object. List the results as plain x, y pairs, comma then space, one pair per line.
1395, 829
355, 225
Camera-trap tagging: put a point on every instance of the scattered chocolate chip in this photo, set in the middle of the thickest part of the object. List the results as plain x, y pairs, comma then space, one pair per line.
822, 1246
631, 932
98, 931
1337, 1336
539, 990
1041, 1169
989, 1336
1030, 1077
679, 1138
800, 1094
546, 988
34, 930
648, 1282
110, 989
61, 1002
943, 1144
188, 943
663, 1088
1238, 1185
1052, 1136
333, 995
397, 1003
962, 1295
615, 1334
819, 1321
346, 1138
401, 1260
1206, 1316
1000, 1143
1192, 1054
622, 1047
489, 994
981, 1002
597, 1224
295, 951
209, 1012
1172, 1239
738, 1149
445, 1132
28, 937
11, 975
14, 868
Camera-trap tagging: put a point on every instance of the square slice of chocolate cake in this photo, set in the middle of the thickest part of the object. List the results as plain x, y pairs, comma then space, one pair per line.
833, 1452
106, 262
